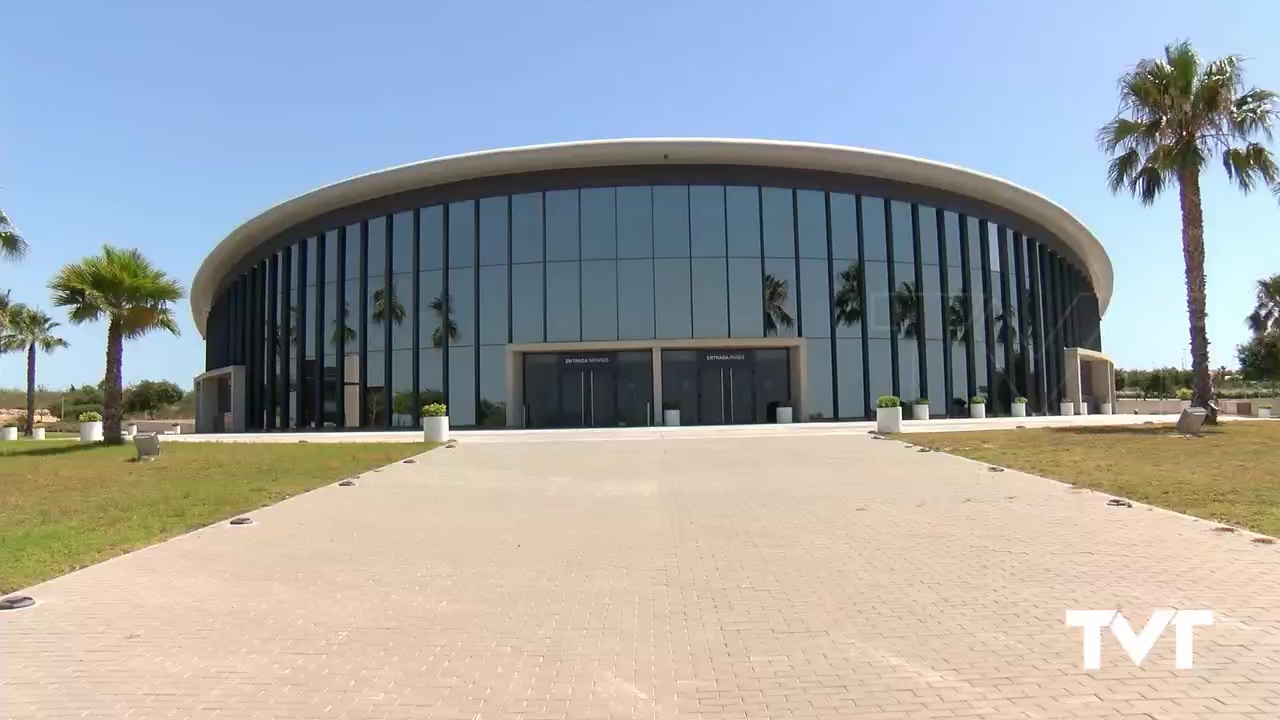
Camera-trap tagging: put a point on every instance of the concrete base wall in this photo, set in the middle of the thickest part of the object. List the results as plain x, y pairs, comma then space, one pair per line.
1230, 407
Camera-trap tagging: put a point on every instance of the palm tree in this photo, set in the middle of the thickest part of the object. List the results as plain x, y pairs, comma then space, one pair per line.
775, 305
906, 307
5, 307
848, 298
342, 332
134, 296
1175, 113
30, 329
12, 246
1266, 315
443, 308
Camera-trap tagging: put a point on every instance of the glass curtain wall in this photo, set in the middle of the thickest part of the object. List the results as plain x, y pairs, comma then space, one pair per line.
362, 324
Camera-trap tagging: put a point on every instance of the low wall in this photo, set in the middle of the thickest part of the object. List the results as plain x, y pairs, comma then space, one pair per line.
1128, 406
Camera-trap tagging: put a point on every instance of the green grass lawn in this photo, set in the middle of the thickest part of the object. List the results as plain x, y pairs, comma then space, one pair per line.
1231, 474
64, 505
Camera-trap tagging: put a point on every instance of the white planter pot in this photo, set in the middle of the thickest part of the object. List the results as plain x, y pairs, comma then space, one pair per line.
1105, 409
435, 429
1185, 404
9, 433
37, 433
978, 410
1264, 412
1019, 409
919, 412
889, 420
1083, 409
91, 431
177, 429
784, 416
671, 418
131, 430
1066, 409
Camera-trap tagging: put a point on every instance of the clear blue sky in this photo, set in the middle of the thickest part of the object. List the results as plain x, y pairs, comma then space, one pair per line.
163, 125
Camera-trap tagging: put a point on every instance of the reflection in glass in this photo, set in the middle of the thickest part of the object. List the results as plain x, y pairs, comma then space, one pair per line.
635, 222
493, 305
526, 228
811, 220
874, 242
937, 378
815, 311
462, 234
745, 290
903, 243
403, 412
928, 225
820, 393
635, 299
849, 373
431, 238
462, 386
461, 306
876, 276
847, 302
880, 368
493, 387
493, 231
844, 227
779, 309
951, 223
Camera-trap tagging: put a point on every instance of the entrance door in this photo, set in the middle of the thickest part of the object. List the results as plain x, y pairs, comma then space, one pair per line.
588, 390
726, 387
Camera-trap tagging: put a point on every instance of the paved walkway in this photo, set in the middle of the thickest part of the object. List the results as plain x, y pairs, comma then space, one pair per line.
797, 576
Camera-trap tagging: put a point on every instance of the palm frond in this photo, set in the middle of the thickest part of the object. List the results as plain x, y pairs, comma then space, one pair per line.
12, 244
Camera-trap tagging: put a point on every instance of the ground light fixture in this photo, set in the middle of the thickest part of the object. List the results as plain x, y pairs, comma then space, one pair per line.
346, 483
16, 602
242, 521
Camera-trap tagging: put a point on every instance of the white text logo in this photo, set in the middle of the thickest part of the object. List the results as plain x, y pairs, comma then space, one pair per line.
1140, 644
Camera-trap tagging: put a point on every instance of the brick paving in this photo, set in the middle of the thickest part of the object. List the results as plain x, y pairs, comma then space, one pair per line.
743, 577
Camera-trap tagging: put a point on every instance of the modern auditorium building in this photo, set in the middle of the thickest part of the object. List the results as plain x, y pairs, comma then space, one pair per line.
597, 284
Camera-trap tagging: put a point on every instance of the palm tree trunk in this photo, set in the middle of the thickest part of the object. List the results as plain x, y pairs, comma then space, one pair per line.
111, 389
31, 390
1193, 255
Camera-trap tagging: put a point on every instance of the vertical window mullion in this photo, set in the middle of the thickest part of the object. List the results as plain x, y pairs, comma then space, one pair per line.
944, 297
362, 412
317, 395
300, 363
273, 335
388, 302
866, 315
922, 331
416, 331
966, 291
831, 313
1024, 315
894, 328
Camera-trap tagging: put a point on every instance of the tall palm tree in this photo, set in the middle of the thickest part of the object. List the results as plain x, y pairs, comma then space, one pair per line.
848, 298
12, 246
4, 308
906, 307
1175, 113
30, 329
342, 332
775, 305
1266, 314
443, 308
132, 295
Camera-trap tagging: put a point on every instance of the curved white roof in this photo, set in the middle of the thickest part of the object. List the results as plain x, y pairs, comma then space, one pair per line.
651, 151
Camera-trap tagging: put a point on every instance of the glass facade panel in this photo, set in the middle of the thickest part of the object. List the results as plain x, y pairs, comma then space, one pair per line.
562, 225
635, 299
671, 221
742, 220
600, 300
707, 221
599, 264
462, 234
527, 303
745, 291
564, 318
811, 221
778, 223
599, 224
493, 231
526, 228
635, 222
673, 301
710, 295
780, 316
874, 240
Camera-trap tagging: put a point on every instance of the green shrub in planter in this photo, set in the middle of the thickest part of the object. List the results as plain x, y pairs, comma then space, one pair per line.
978, 400
888, 401
12, 422
922, 401
1184, 393
1020, 399
435, 410
90, 416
